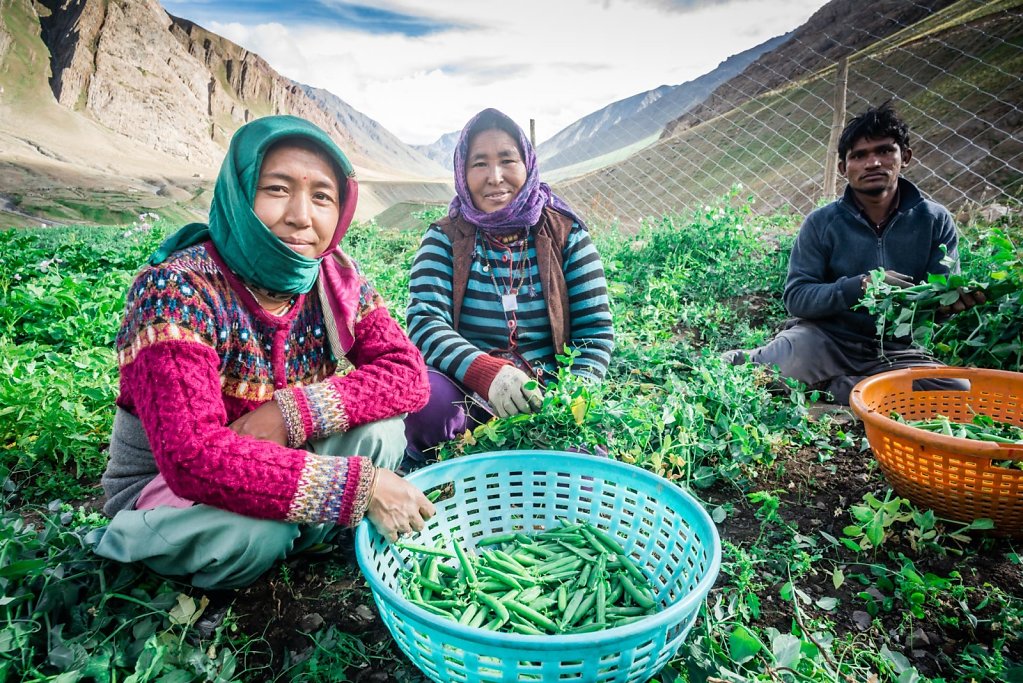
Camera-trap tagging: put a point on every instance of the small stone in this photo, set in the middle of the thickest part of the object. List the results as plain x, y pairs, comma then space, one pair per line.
363, 613
310, 623
874, 593
918, 639
861, 619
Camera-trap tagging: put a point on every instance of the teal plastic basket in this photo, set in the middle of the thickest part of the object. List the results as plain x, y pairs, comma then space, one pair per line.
662, 528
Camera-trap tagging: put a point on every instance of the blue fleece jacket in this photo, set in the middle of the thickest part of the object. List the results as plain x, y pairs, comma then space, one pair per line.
837, 246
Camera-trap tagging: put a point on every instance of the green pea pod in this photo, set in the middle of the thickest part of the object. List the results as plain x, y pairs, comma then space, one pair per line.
500, 576
433, 610
630, 566
463, 560
584, 608
526, 629
588, 628
532, 615
481, 615
574, 603
496, 539
495, 605
424, 550
468, 614
607, 540
432, 585
638, 596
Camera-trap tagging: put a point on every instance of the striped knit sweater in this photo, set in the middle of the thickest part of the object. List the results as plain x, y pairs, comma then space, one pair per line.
196, 351
483, 323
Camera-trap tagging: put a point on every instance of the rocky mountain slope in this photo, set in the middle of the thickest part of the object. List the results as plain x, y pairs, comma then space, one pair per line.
951, 68
96, 91
442, 150
634, 119
837, 29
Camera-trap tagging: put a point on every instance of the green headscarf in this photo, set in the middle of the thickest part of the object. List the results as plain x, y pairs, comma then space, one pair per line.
247, 246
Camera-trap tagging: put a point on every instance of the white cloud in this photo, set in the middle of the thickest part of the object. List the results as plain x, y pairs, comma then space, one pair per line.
552, 60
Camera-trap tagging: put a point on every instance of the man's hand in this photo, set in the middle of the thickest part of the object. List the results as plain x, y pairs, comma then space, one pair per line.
265, 422
966, 300
897, 279
397, 507
510, 394
892, 278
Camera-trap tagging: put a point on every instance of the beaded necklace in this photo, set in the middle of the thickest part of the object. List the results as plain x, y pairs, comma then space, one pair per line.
276, 304
511, 289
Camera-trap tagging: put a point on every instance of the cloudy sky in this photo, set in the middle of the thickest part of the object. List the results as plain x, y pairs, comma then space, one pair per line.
423, 67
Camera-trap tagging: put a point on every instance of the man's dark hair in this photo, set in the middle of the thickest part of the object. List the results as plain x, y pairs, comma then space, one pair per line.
875, 123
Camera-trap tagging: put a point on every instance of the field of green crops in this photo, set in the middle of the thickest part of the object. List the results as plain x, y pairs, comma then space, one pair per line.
827, 574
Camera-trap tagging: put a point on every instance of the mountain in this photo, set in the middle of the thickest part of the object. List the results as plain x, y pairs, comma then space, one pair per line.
442, 150
111, 107
837, 29
952, 69
621, 125
640, 118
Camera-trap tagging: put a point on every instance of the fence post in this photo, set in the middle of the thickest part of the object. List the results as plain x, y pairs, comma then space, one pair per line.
532, 132
837, 123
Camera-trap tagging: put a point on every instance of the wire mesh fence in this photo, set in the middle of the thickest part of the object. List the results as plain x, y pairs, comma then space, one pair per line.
953, 70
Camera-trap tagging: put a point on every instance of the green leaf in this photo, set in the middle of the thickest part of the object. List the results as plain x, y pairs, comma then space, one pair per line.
875, 532
743, 645
851, 545
22, 568
898, 660
949, 298
827, 603
786, 649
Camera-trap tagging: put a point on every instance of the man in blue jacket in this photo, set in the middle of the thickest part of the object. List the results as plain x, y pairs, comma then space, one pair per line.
882, 221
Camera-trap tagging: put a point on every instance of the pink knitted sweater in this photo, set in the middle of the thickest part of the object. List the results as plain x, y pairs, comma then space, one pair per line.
196, 352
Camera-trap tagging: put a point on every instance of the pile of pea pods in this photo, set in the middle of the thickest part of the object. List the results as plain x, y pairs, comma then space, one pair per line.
574, 578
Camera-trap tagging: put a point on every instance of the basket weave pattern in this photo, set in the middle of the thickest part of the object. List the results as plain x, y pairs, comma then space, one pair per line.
663, 529
954, 477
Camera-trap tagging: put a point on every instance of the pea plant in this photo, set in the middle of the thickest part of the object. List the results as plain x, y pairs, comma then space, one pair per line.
827, 574
987, 335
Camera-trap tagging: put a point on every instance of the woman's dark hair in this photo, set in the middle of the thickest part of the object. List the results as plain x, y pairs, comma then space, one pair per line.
315, 148
494, 120
875, 123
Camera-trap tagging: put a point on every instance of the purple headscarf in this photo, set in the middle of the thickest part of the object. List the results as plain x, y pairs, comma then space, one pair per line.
525, 209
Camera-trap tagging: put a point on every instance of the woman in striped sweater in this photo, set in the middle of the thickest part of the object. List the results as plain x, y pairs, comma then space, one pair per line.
263, 382
503, 284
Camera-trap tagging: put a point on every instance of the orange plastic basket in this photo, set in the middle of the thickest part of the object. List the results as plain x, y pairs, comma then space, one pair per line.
952, 476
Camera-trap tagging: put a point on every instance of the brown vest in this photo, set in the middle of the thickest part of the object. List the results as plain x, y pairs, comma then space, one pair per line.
550, 235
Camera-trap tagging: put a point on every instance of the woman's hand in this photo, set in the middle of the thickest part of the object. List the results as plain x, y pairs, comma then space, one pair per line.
511, 393
265, 422
397, 507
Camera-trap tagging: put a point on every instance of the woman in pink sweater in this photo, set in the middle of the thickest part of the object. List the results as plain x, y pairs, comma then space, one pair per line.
263, 382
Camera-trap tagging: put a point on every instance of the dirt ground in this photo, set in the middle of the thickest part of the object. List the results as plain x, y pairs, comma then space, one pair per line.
816, 498
310, 596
